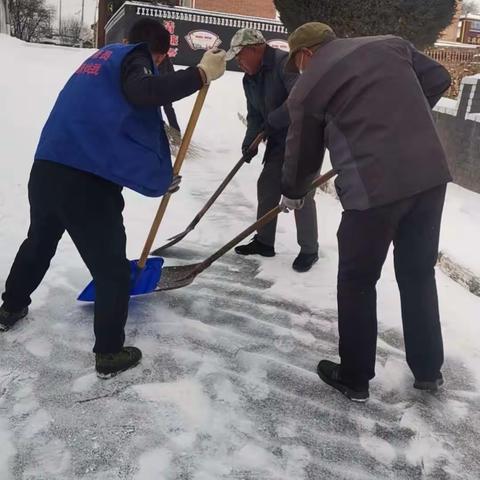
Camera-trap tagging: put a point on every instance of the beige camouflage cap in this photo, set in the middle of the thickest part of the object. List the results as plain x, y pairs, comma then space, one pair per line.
243, 38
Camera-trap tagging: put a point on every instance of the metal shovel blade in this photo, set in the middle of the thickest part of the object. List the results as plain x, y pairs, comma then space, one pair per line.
177, 277
183, 275
179, 236
171, 241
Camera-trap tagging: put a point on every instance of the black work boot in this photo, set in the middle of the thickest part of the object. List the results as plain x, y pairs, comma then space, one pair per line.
429, 385
329, 372
110, 364
304, 261
255, 247
9, 319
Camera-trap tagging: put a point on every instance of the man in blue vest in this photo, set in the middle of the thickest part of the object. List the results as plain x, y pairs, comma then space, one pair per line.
104, 133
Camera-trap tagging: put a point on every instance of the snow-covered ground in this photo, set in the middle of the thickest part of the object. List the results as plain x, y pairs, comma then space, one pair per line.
227, 388
460, 238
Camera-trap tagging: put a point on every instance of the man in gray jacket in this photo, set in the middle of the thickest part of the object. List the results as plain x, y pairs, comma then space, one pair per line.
368, 100
267, 86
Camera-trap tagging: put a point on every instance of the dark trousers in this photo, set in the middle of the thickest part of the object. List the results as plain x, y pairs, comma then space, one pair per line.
269, 193
171, 116
364, 237
90, 210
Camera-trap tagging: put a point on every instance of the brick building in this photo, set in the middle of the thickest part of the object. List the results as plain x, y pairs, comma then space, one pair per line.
250, 8
451, 33
470, 29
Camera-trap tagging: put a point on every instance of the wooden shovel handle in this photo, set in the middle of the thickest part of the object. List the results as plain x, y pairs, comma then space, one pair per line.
192, 123
182, 152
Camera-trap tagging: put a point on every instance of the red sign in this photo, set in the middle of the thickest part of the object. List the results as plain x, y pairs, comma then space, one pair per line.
170, 26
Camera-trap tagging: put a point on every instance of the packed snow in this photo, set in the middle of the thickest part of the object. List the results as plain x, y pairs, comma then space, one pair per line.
227, 388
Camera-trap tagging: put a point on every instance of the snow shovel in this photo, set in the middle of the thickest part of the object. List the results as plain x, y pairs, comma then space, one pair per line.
183, 275
174, 240
145, 273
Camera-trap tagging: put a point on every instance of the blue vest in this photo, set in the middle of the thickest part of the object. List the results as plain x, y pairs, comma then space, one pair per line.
93, 127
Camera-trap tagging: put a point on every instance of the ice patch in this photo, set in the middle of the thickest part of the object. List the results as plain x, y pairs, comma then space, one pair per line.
424, 449
26, 402
457, 410
393, 376
39, 346
184, 442
201, 307
213, 468
285, 344
225, 391
253, 457
255, 385
298, 457
186, 395
379, 449
286, 430
301, 320
84, 383
154, 465
303, 337
49, 459
37, 423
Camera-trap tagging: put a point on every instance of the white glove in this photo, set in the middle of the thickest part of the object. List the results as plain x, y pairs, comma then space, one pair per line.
213, 64
175, 185
287, 204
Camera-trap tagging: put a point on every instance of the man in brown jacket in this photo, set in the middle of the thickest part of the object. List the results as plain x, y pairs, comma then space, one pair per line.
368, 100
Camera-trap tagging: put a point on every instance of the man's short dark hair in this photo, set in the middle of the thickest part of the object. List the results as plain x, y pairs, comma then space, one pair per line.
152, 32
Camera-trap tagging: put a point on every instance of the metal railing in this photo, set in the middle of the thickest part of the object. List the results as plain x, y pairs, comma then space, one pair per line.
447, 55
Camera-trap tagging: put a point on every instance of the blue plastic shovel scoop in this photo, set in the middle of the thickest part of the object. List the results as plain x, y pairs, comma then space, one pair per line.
142, 281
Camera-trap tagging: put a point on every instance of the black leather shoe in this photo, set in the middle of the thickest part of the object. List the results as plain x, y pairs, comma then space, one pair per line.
255, 248
108, 365
9, 319
429, 385
329, 372
304, 262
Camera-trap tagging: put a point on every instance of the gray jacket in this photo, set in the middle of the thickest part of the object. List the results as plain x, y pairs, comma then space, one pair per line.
266, 93
368, 100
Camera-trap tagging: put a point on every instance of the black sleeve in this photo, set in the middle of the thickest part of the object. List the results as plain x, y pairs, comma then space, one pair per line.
170, 67
433, 77
255, 123
304, 150
143, 89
